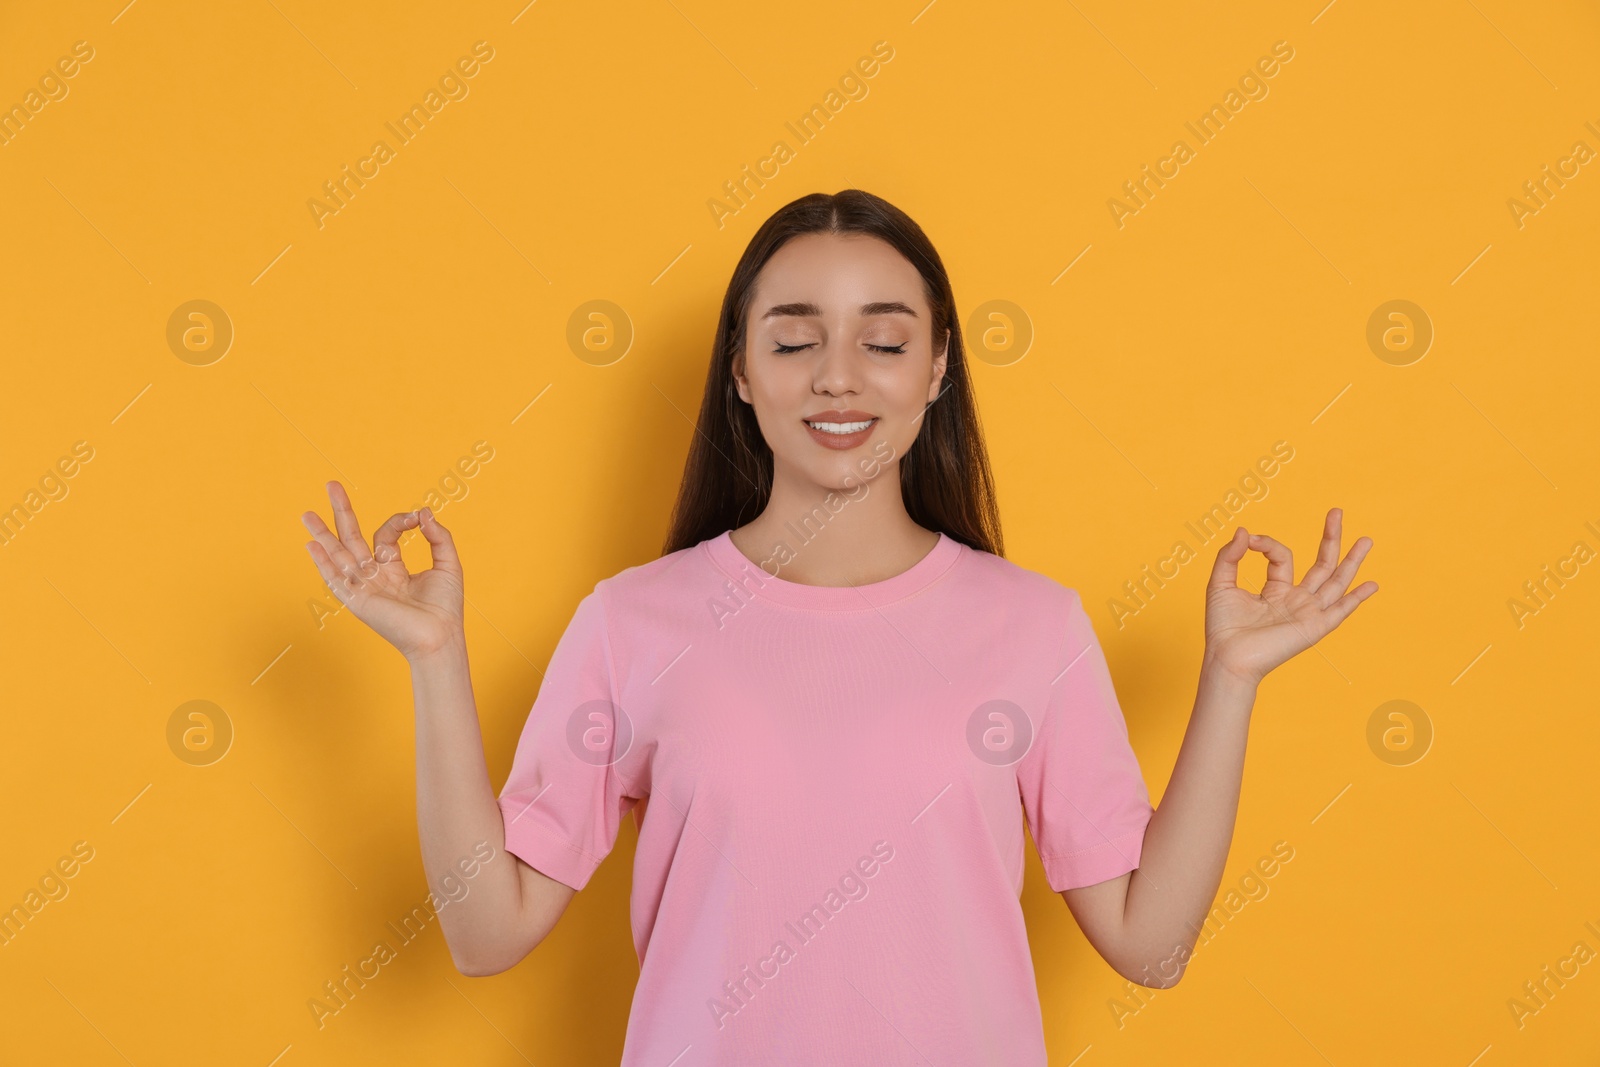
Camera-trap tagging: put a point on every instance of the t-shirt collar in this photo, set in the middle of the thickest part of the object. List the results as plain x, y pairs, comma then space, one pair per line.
761, 582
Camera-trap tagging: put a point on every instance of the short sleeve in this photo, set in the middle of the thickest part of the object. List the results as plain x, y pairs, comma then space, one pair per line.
1082, 790
565, 798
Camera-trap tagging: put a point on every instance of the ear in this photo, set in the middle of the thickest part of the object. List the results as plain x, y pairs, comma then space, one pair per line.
739, 380
940, 362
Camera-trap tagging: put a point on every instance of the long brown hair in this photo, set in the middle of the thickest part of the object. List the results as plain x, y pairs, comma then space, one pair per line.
945, 479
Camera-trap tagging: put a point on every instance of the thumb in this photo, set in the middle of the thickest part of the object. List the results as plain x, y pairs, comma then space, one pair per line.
440, 542
1225, 572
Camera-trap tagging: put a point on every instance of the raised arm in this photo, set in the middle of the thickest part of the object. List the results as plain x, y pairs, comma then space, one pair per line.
1145, 923
507, 907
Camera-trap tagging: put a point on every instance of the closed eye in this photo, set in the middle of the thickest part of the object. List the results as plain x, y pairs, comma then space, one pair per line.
897, 350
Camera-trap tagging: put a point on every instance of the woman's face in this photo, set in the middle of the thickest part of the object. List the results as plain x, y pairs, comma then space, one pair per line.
839, 334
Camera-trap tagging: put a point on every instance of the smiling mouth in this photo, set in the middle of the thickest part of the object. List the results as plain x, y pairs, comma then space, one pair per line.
842, 429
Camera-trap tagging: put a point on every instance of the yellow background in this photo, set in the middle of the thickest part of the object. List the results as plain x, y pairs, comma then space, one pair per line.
1229, 313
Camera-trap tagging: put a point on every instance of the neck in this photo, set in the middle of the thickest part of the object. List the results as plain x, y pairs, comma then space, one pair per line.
834, 536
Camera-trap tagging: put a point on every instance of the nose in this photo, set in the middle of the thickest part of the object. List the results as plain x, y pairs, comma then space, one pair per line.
838, 369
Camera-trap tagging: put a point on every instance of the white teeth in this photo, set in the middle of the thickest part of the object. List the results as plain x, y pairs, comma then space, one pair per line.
840, 427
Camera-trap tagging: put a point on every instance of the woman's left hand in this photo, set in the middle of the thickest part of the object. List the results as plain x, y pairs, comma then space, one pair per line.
1248, 634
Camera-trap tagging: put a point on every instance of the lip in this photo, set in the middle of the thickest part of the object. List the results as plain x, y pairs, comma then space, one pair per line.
836, 441
839, 415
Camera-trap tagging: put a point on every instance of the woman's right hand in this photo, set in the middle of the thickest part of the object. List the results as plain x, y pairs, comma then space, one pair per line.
417, 613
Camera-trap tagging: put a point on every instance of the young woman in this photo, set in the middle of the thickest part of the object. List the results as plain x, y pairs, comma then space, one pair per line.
837, 701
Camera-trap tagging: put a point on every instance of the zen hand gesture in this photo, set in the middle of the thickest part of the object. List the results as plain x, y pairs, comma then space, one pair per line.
1249, 633
417, 613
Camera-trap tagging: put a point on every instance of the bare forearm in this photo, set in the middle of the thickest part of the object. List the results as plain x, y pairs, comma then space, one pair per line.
1186, 843
456, 807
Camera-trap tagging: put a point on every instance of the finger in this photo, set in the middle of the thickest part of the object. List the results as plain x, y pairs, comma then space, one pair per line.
344, 519
1280, 561
1329, 591
330, 573
386, 541
339, 556
1327, 552
439, 540
1225, 571
1340, 610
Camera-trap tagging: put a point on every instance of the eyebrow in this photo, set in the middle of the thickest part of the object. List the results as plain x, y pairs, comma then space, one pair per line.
803, 310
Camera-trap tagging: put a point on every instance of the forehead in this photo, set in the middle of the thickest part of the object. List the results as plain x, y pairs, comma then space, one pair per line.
837, 273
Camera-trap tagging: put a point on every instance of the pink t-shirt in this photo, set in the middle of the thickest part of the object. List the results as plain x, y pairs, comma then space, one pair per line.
836, 779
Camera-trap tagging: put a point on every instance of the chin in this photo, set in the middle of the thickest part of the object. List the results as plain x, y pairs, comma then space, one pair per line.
849, 473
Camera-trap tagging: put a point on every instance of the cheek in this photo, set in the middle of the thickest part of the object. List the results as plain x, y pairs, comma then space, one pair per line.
906, 394
779, 389
773, 409
904, 431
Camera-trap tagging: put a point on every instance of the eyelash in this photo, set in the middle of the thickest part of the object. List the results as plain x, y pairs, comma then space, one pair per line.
897, 350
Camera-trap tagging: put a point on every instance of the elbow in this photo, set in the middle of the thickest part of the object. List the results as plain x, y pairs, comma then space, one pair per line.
475, 970
1159, 974
1150, 979
483, 964
1153, 971
479, 965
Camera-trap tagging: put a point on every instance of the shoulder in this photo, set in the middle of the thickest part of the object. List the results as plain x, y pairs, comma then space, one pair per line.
657, 586
673, 569
1029, 588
